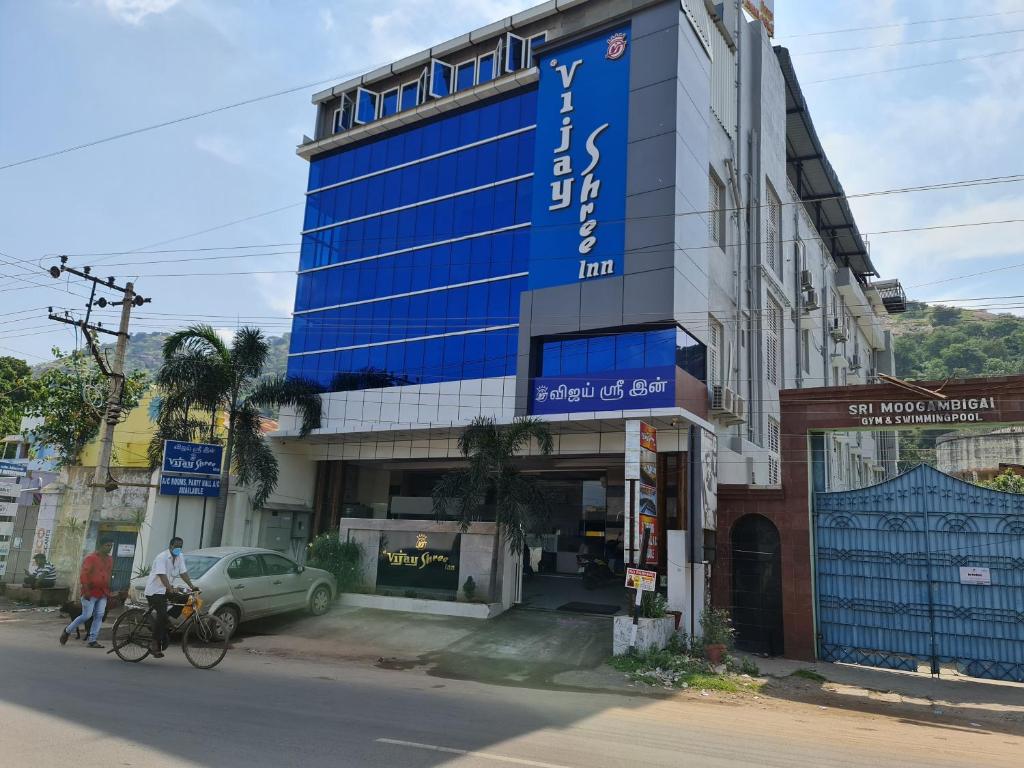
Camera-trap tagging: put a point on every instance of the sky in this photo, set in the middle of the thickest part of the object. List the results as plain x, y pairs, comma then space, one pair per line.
72, 71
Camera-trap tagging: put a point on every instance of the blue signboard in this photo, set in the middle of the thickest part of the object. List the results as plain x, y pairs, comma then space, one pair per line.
185, 485
611, 391
579, 189
192, 458
14, 467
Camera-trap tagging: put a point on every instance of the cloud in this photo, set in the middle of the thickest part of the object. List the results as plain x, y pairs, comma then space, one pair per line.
221, 147
278, 294
327, 19
134, 11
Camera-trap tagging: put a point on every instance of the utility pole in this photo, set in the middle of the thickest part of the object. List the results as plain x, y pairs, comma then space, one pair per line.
102, 480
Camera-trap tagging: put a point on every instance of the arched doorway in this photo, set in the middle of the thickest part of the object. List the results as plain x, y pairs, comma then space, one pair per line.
757, 585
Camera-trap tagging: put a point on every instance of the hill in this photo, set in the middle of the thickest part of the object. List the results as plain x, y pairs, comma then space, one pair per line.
934, 341
145, 354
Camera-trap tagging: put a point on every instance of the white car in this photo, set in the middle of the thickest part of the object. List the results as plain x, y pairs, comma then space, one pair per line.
244, 583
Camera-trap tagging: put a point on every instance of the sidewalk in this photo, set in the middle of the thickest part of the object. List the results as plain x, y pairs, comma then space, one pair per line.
870, 688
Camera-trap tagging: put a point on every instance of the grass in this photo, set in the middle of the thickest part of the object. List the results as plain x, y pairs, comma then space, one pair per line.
809, 674
674, 666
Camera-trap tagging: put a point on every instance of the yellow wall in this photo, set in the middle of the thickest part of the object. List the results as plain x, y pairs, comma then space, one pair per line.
131, 438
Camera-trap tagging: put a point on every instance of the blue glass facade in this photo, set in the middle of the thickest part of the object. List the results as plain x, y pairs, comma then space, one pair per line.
622, 351
415, 251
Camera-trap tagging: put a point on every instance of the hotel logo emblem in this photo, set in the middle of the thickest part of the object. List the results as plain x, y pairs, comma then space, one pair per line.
616, 46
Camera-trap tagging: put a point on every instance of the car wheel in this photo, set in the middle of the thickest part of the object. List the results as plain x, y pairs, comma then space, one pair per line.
320, 601
229, 616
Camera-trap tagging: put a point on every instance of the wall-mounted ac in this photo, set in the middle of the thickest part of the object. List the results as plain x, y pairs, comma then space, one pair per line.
838, 332
727, 405
810, 300
806, 280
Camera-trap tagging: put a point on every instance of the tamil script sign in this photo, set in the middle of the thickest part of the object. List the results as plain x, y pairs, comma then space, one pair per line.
185, 485
887, 413
579, 199
614, 390
192, 458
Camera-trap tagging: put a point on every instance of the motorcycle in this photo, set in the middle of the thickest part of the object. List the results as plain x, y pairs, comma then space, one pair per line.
597, 571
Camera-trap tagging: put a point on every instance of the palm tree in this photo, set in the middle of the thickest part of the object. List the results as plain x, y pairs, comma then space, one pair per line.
203, 380
521, 505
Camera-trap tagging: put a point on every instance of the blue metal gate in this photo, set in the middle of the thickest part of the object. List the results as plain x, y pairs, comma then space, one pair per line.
901, 570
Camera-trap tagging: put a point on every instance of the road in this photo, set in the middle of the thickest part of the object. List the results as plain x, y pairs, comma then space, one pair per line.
78, 707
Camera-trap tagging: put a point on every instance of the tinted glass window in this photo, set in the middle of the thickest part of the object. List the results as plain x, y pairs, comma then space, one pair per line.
486, 68
465, 75
244, 567
410, 96
197, 565
275, 565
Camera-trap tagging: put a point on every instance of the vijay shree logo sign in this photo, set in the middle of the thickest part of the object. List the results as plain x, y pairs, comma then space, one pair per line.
183, 458
579, 198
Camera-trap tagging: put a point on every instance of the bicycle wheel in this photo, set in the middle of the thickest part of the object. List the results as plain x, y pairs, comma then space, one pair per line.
133, 635
205, 642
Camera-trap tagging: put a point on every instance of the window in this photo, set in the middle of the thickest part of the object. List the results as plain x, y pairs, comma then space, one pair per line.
389, 103
623, 351
773, 342
773, 237
531, 45
774, 434
441, 78
275, 565
485, 67
515, 48
716, 211
410, 96
714, 352
245, 567
805, 349
465, 75
343, 115
366, 106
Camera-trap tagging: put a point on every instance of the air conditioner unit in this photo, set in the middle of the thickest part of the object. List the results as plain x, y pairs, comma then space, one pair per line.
806, 279
838, 332
810, 300
727, 406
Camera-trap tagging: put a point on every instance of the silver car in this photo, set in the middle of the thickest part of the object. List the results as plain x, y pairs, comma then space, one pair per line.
244, 583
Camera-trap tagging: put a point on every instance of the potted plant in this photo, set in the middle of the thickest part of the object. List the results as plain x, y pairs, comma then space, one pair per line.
655, 626
716, 633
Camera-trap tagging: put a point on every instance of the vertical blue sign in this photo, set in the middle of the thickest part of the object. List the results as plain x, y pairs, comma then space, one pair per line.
579, 190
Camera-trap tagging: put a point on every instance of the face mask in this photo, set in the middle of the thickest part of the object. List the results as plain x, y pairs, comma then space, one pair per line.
176, 551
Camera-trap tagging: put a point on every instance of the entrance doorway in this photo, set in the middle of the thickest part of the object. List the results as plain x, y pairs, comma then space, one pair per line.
757, 585
123, 552
587, 520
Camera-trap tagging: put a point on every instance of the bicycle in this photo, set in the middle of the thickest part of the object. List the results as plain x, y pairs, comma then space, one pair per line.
204, 636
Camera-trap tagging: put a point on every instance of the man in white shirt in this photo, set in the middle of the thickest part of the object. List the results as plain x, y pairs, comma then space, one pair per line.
168, 566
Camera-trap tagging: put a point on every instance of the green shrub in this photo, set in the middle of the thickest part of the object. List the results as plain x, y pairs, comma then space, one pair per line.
716, 627
340, 558
748, 667
653, 605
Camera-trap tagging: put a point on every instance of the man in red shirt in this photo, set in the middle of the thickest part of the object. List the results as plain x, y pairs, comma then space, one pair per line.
95, 585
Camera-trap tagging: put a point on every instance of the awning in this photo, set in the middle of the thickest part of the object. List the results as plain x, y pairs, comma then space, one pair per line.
816, 181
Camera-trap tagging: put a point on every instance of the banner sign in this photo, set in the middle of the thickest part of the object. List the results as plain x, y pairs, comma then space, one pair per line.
14, 467
612, 391
8, 508
979, 576
419, 561
177, 485
192, 458
645, 581
579, 183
